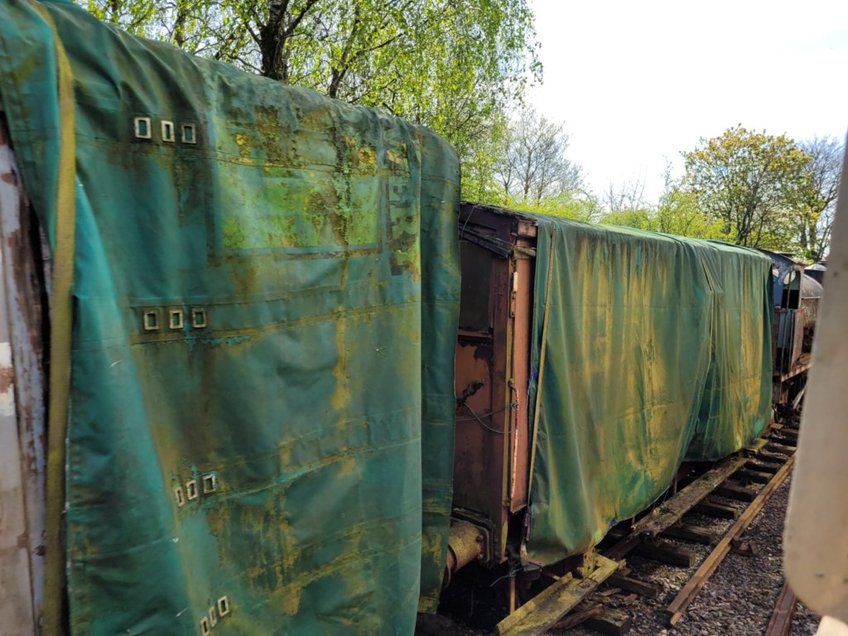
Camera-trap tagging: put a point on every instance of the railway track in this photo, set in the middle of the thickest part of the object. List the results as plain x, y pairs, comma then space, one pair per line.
734, 490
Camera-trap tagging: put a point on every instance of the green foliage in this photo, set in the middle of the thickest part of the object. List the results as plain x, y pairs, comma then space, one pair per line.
817, 202
643, 219
479, 165
752, 182
678, 213
577, 205
452, 66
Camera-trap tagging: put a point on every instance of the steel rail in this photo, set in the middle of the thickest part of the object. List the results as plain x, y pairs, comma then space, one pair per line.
678, 606
784, 610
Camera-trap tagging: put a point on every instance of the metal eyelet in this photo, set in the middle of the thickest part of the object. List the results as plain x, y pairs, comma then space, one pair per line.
210, 483
168, 133
189, 134
198, 317
150, 319
175, 319
143, 128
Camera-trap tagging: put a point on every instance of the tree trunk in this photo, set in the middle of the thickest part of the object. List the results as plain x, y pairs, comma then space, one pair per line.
272, 44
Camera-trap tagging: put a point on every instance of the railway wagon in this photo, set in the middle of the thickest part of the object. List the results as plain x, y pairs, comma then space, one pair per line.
592, 361
796, 296
234, 374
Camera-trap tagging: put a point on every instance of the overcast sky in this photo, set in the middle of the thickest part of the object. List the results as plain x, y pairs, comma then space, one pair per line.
638, 82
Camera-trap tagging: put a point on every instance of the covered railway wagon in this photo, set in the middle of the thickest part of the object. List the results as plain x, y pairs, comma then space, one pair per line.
236, 364
591, 362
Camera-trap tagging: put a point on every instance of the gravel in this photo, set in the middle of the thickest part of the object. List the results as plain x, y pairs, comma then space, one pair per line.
737, 600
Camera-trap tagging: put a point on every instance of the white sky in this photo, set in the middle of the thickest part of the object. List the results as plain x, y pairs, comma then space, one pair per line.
636, 83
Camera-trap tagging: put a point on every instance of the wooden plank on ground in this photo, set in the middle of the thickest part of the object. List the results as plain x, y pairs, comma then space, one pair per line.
544, 610
734, 491
648, 589
749, 476
774, 457
692, 533
763, 467
577, 618
781, 449
752, 476
714, 509
787, 441
610, 622
671, 511
665, 553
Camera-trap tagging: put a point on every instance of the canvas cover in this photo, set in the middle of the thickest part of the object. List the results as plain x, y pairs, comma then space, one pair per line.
657, 349
252, 415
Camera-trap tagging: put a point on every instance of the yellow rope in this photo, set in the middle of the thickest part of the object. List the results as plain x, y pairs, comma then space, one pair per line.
544, 348
61, 309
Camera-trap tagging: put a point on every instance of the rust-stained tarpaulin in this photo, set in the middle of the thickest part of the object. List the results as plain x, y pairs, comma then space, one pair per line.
656, 348
265, 303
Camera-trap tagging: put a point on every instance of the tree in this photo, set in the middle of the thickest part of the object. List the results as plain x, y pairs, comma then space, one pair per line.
752, 182
533, 165
625, 204
627, 196
818, 200
453, 66
678, 213
640, 218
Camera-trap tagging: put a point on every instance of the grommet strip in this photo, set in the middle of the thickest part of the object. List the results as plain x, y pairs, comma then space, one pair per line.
214, 615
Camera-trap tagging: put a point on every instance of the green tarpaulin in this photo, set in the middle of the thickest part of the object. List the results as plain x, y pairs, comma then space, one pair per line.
256, 268
657, 348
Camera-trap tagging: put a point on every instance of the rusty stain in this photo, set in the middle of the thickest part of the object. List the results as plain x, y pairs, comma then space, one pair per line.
7, 378
341, 393
9, 177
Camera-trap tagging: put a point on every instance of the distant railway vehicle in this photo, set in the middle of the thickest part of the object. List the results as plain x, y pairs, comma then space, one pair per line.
816, 271
263, 372
796, 296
